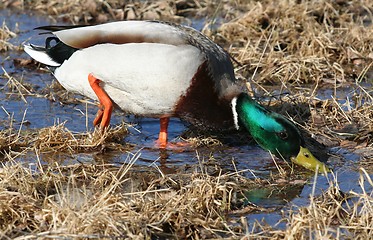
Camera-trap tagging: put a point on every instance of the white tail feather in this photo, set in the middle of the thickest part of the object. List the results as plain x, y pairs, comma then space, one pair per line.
40, 56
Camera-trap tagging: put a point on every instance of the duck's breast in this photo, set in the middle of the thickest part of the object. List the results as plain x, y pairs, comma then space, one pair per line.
141, 78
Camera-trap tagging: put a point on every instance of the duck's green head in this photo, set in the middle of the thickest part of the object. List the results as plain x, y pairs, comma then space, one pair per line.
273, 132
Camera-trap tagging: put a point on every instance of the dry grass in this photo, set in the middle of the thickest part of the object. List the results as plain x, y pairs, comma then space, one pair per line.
59, 139
10, 141
104, 201
297, 43
16, 88
335, 214
293, 44
344, 122
5, 35
100, 201
300, 47
94, 11
332, 215
203, 141
348, 123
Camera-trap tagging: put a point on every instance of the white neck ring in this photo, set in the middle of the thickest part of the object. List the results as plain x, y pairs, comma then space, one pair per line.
235, 114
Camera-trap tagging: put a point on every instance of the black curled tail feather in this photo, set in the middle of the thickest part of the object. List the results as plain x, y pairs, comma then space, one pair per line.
58, 51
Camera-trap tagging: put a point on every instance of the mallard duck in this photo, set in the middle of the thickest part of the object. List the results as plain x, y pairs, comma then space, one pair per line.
162, 70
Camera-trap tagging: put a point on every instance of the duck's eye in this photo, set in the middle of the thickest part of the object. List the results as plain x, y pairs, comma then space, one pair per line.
306, 155
283, 135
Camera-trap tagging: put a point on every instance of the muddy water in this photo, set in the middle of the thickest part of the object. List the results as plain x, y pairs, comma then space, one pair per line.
36, 112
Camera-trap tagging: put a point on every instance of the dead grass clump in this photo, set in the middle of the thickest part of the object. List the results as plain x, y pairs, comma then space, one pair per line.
5, 35
4, 141
51, 202
94, 11
197, 207
11, 141
17, 208
345, 122
307, 42
203, 141
58, 138
105, 201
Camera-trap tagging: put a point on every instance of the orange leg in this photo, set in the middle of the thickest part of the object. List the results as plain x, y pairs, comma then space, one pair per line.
106, 105
99, 114
162, 139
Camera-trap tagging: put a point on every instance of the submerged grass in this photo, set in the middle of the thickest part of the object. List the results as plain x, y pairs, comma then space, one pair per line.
335, 214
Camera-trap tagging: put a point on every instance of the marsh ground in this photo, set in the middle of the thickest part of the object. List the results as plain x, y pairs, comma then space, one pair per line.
310, 60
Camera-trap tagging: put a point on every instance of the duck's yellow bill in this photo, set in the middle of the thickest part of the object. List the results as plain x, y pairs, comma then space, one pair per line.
307, 160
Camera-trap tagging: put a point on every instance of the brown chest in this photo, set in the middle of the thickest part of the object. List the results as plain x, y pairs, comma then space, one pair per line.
202, 106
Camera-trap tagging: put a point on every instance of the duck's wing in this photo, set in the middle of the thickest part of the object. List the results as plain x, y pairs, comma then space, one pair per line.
219, 66
118, 33
55, 28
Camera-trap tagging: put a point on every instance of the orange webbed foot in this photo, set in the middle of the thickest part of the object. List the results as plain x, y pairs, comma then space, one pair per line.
173, 146
162, 141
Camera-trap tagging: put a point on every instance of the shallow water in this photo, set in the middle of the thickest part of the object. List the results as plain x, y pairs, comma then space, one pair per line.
37, 112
